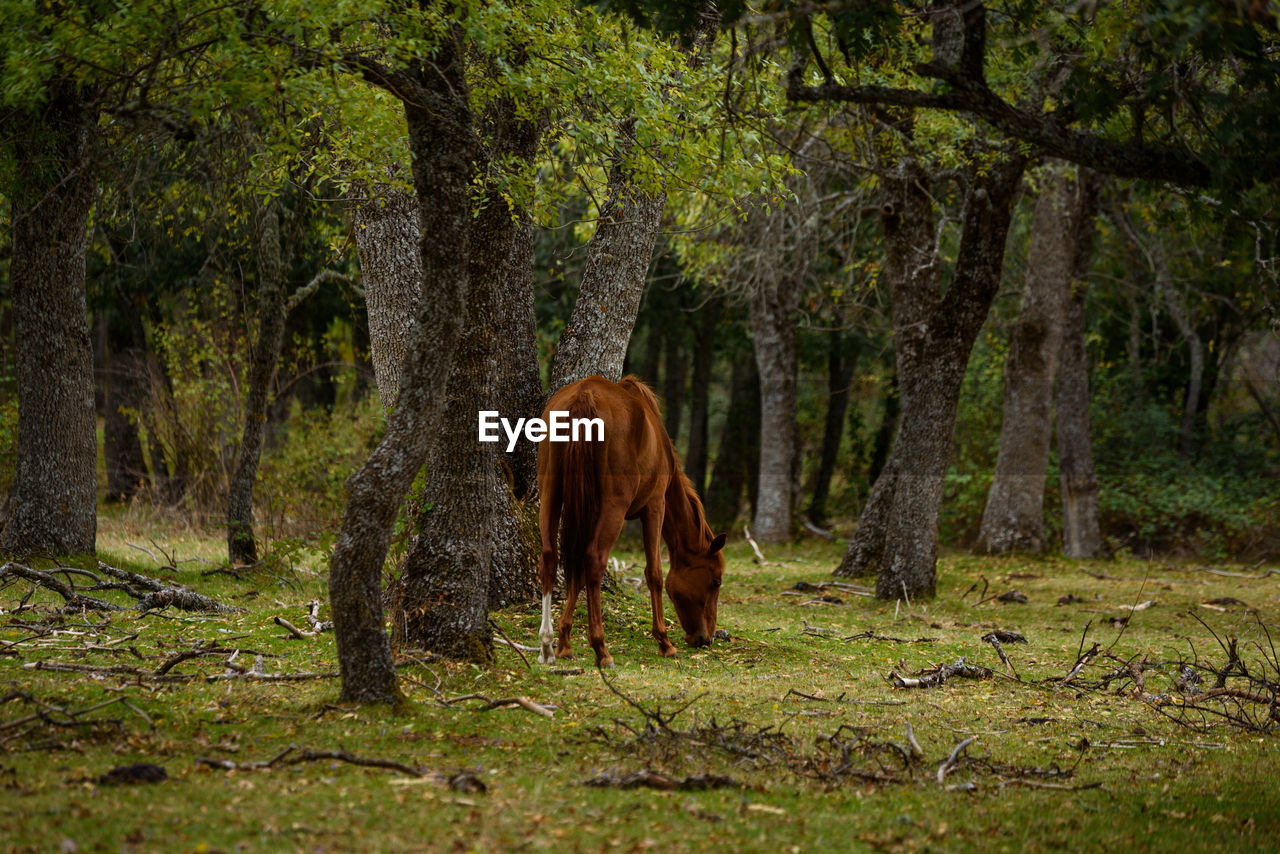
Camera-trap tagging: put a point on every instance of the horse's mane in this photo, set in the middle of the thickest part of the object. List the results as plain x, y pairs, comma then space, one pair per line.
683, 503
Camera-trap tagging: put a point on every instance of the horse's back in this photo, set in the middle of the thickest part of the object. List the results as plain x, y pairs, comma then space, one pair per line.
633, 451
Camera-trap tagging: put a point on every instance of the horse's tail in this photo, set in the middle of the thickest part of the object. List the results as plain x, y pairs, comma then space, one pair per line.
580, 491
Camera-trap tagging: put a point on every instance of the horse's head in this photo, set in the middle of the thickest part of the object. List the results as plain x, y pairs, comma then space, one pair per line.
694, 587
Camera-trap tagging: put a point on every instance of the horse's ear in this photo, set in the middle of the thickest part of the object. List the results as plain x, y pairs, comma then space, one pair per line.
717, 544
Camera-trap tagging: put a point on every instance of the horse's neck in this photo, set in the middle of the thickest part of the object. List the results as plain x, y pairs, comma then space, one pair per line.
680, 528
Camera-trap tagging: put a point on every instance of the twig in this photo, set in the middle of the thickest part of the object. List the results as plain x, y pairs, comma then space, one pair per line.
503, 703
746, 532
654, 780
950, 761
497, 628
294, 755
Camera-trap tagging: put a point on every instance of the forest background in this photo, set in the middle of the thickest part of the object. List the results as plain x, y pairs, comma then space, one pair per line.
791, 222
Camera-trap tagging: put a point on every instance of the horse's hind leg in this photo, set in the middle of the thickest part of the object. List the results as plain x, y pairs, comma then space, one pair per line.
607, 531
563, 648
549, 522
652, 522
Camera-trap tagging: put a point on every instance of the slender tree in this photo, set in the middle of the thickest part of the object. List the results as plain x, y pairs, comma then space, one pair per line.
1013, 519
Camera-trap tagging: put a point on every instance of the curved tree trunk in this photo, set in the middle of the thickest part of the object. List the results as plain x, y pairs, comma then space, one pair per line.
241, 546
385, 222
773, 307
839, 375
52, 505
1013, 519
442, 139
1081, 531
933, 336
595, 339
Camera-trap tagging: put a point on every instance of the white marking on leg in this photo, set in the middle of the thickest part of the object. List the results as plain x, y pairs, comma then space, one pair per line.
546, 635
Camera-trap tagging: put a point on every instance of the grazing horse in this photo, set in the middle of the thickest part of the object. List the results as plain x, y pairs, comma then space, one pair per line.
592, 487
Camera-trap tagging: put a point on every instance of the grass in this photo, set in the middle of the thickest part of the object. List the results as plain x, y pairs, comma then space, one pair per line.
1162, 786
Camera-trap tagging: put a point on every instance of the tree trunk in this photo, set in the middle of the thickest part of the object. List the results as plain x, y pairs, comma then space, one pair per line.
594, 341
52, 505
886, 431
1014, 516
839, 376
1081, 531
519, 383
699, 393
126, 386
1195, 374
442, 140
739, 447
241, 547
475, 545
933, 336
385, 222
674, 364
774, 303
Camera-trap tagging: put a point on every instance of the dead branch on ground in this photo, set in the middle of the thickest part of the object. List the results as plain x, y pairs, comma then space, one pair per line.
294, 755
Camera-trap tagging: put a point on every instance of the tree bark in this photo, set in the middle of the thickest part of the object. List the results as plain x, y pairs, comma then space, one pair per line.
774, 303
241, 546
442, 140
519, 383
839, 376
385, 222
1081, 531
738, 454
52, 505
473, 539
1013, 519
594, 341
933, 336
699, 393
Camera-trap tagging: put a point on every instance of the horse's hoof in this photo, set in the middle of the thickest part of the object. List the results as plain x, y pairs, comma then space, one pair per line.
564, 653
546, 658
605, 662
668, 651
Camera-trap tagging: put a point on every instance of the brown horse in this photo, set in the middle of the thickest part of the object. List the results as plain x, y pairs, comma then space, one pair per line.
592, 487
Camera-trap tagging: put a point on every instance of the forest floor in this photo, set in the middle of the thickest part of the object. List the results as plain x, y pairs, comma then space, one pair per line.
791, 736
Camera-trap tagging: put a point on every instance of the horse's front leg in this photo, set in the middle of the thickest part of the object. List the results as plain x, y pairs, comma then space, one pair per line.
651, 521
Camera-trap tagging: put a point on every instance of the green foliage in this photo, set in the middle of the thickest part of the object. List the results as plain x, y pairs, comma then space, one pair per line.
299, 491
1223, 504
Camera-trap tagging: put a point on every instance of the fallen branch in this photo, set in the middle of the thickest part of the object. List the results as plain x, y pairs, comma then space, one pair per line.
755, 547
953, 758
503, 703
870, 634
497, 628
294, 755
653, 780
74, 601
935, 676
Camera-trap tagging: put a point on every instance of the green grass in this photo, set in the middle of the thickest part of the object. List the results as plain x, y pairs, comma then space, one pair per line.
1163, 786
